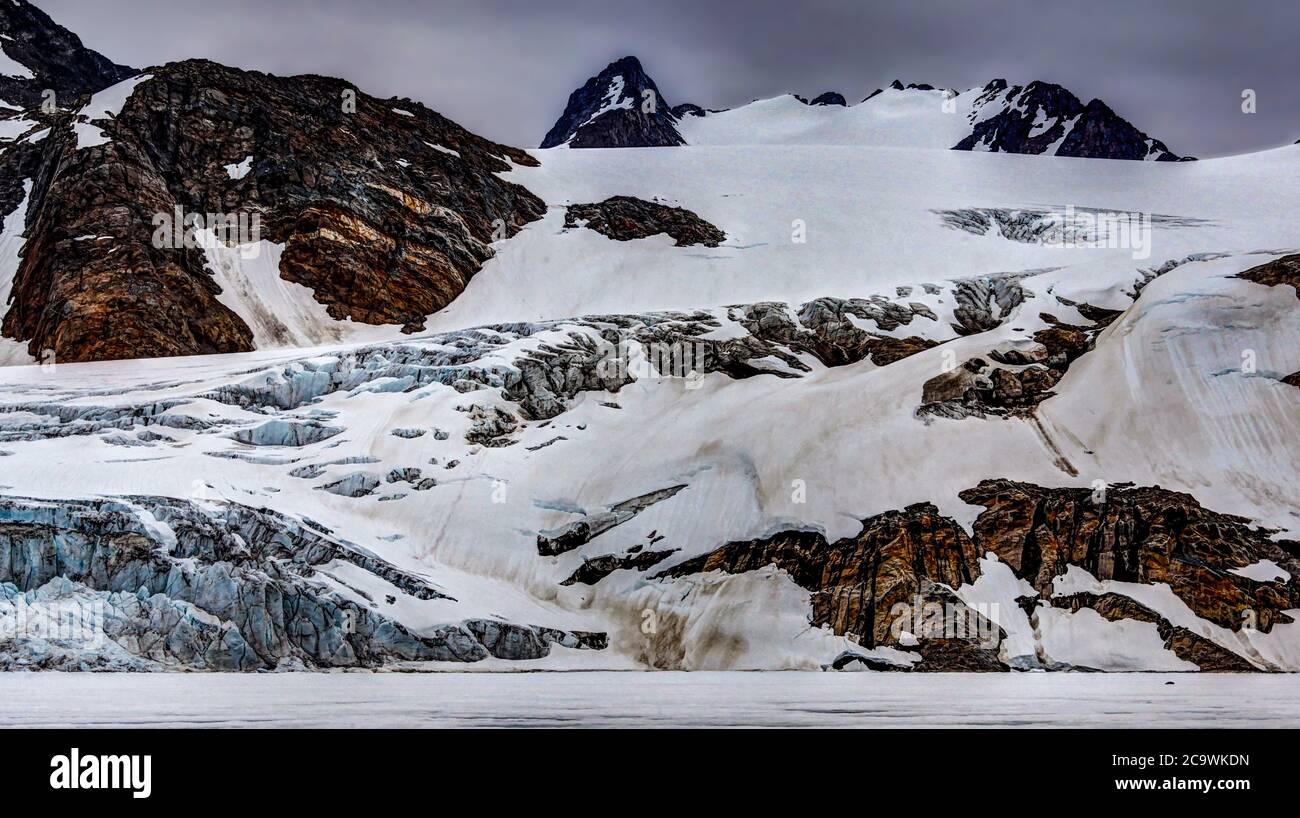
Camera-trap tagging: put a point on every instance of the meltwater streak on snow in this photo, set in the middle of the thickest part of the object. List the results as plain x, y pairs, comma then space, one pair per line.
12, 353
648, 700
281, 313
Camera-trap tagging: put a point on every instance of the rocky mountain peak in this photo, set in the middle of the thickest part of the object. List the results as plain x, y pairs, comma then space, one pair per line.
38, 54
619, 107
830, 98
1043, 117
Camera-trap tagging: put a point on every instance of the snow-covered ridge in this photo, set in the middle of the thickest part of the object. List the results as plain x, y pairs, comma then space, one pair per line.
1037, 118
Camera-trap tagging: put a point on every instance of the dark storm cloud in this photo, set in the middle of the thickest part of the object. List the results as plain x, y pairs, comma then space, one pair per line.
504, 68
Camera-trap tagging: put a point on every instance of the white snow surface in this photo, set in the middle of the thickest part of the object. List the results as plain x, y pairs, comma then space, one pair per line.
550, 700
1162, 399
240, 169
105, 104
10, 67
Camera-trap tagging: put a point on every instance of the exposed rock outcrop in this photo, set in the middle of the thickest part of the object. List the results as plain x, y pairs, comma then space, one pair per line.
879, 586
1021, 377
829, 98
1183, 643
580, 532
1041, 117
624, 218
383, 208
893, 584
1279, 271
1143, 535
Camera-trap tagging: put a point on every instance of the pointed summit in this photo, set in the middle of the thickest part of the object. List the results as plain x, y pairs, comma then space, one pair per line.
620, 107
37, 53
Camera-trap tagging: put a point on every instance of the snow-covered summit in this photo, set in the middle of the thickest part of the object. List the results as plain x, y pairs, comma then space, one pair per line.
1036, 118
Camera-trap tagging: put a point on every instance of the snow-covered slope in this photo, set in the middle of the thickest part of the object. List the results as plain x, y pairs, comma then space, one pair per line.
906, 118
533, 478
808, 221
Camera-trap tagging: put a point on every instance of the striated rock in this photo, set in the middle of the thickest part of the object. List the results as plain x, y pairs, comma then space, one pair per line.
886, 581
624, 218
1143, 535
1185, 645
378, 240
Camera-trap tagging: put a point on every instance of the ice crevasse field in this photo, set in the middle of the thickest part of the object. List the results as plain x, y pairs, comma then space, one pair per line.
819, 451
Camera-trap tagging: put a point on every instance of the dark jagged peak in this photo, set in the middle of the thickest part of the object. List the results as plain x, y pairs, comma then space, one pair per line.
1044, 118
897, 85
37, 53
873, 94
830, 98
621, 107
688, 109
1100, 132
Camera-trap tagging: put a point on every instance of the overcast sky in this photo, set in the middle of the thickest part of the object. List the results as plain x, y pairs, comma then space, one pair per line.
504, 68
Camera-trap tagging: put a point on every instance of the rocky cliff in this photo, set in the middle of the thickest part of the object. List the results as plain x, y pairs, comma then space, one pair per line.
383, 208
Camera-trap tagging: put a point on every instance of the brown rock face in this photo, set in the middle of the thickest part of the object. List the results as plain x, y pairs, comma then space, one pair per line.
872, 585
866, 585
1143, 535
1284, 270
624, 218
384, 215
